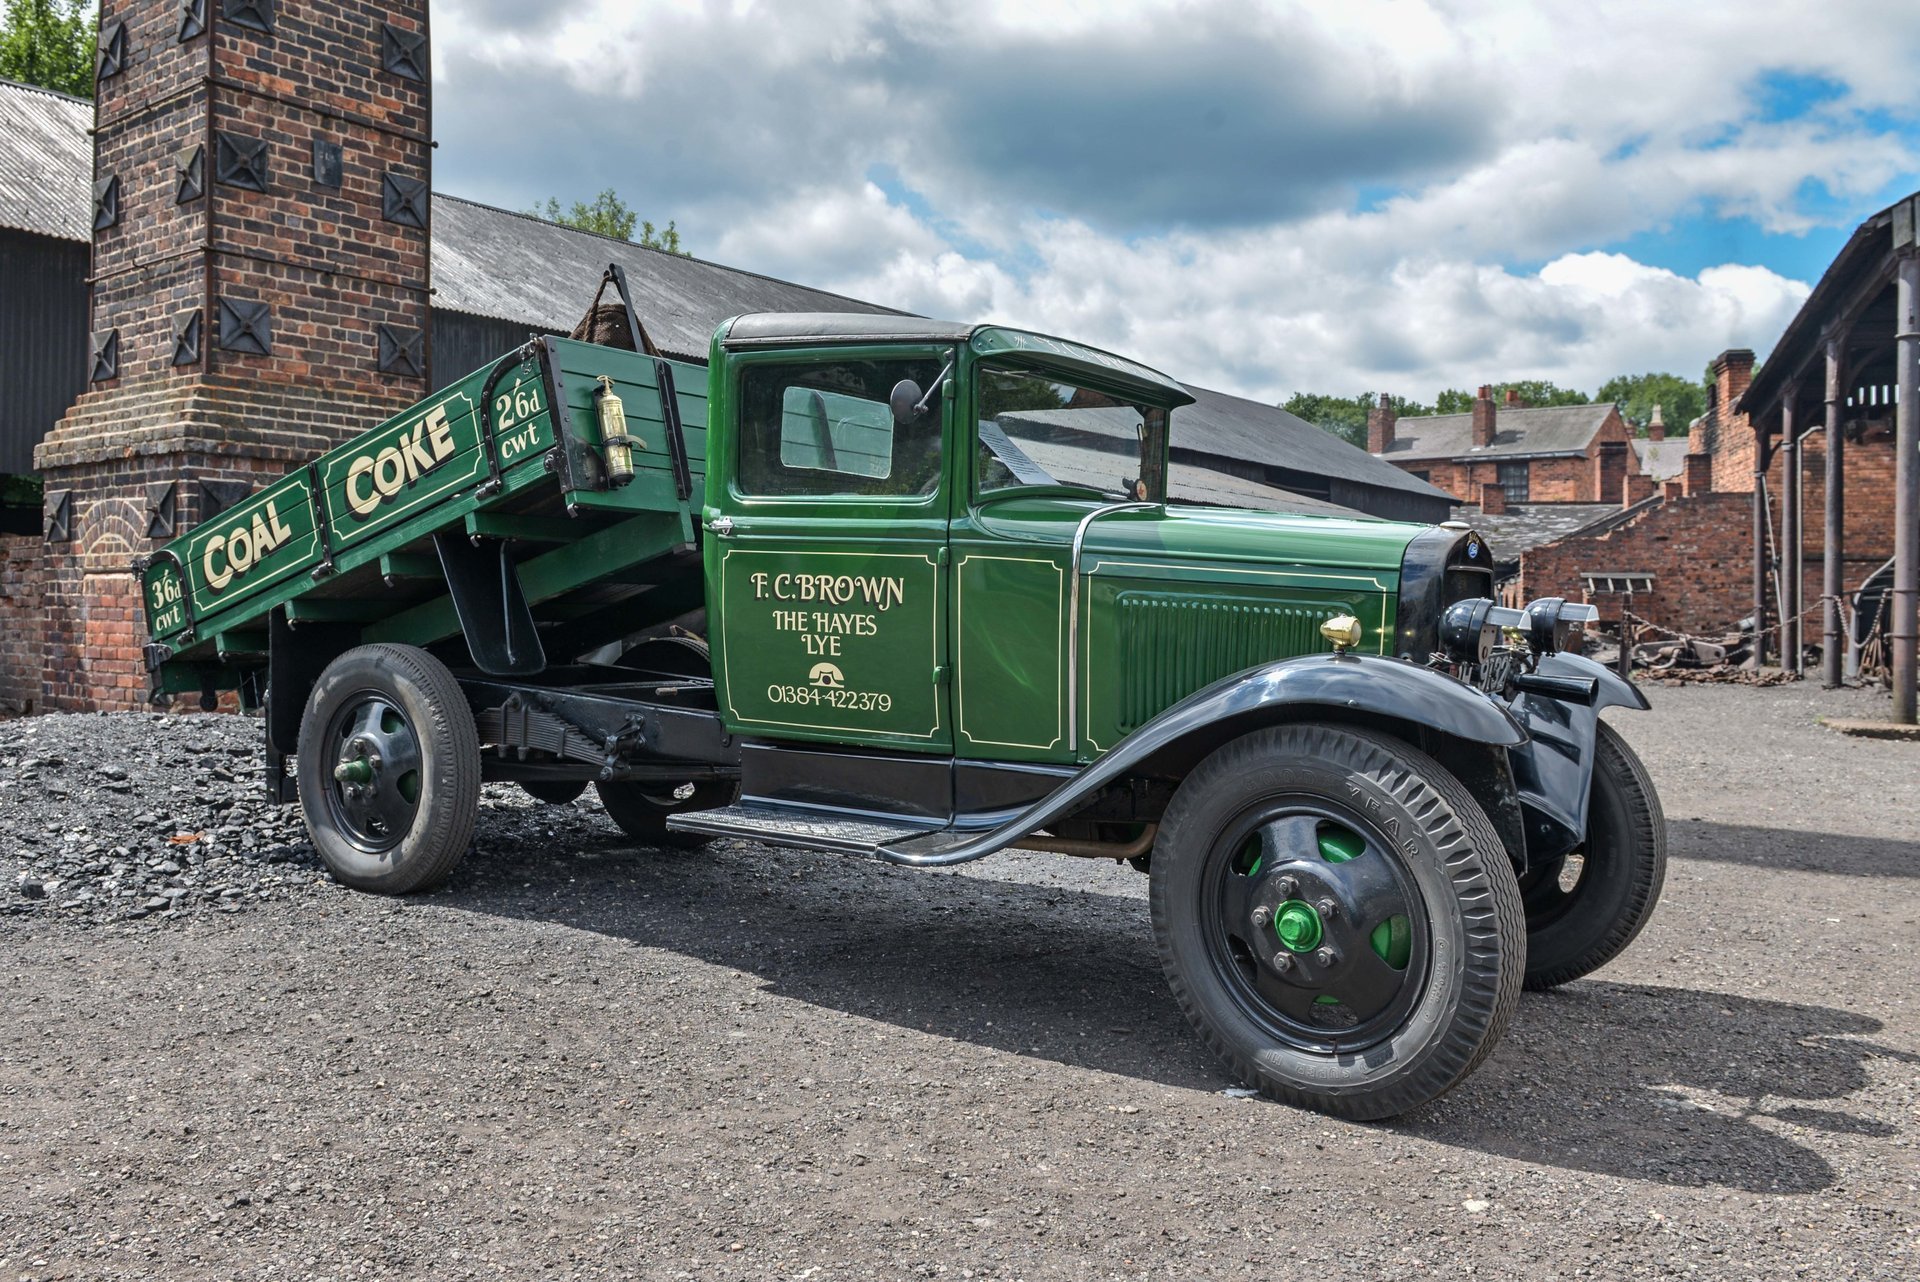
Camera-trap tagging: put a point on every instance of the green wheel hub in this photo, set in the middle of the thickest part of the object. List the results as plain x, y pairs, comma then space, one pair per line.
1298, 926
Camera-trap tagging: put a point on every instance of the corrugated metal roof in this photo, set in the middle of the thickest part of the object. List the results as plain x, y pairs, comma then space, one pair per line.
1517, 433
493, 262
1103, 468
46, 162
1235, 427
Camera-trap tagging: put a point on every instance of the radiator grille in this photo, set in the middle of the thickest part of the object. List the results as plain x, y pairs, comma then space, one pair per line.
1171, 646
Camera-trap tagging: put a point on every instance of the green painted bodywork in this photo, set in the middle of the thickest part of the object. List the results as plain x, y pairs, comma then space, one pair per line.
936, 623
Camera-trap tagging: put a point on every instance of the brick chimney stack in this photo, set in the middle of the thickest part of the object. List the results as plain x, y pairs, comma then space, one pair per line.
1513, 399
1493, 500
1483, 418
1656, 426
259, 286
1732, 375
1380, 421
1609, 472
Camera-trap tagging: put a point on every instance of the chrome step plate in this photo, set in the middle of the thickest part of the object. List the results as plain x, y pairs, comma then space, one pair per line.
801, 829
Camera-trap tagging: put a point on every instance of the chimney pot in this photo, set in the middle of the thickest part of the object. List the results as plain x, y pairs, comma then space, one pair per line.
1656, 426
1513, 398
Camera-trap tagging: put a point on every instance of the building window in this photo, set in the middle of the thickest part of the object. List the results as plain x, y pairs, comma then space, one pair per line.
1629, 582
1513, 479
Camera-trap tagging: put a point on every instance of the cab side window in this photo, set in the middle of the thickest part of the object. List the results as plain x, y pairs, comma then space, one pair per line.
824, 428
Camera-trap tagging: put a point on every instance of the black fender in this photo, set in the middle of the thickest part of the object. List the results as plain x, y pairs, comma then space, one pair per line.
1553, 770
1377, 688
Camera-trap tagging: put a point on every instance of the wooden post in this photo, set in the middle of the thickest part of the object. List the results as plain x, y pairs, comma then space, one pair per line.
1790, 561
1833, 636
1904, 630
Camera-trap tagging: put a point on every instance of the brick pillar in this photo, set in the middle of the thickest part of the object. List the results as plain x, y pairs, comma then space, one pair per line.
1493, 499
1638, 487
1380, 423
1698, 476
1609, 471
1483, 418
259, 286
1673, 490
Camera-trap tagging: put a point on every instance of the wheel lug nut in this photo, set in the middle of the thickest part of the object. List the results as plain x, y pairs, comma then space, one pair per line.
1288, 887
1283, 961
1325, 957
1327, 908
1261, 916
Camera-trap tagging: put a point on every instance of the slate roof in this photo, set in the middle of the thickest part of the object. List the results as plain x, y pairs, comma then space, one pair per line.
1235, 427
515, 267
1545, 430
1098, 447
1662, 460
1525, 526
46, 162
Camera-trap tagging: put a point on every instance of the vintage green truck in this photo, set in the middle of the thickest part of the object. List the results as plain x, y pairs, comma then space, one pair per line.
826, 593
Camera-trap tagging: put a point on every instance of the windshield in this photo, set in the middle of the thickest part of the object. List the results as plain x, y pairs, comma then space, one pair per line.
1037, 430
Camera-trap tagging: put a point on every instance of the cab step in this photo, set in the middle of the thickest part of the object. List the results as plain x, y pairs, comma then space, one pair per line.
802, 829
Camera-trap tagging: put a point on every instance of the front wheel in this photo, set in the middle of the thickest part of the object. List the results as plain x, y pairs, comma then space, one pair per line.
1338, 918
389, 766
1584, 908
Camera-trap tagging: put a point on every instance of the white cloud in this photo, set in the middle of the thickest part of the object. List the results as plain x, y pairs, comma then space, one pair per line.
1186, 183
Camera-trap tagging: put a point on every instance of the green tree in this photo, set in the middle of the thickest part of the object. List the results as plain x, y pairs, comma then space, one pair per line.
1534, 391
1680, 400
49, 43
1345, 416
608, 215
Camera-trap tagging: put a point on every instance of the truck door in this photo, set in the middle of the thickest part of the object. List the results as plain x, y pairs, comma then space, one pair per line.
826, 551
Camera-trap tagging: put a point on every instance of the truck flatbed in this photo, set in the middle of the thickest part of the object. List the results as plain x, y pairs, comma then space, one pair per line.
364, 534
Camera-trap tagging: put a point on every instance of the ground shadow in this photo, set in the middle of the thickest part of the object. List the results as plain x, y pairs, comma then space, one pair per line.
1637, 1081
1787, 850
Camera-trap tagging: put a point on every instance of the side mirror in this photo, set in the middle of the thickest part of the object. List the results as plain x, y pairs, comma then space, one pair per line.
904, 401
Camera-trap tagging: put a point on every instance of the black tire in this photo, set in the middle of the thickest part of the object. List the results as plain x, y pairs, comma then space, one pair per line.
555, 792
398, 713
1407, 834
1583, 910
641, 809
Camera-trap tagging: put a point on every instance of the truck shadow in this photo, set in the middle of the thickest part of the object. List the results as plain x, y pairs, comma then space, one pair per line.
1684, 1087
1786, 850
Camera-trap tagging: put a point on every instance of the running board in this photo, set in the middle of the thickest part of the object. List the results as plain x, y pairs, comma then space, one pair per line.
806, 829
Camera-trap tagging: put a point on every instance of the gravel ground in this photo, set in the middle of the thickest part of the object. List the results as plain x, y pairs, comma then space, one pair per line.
582, 1060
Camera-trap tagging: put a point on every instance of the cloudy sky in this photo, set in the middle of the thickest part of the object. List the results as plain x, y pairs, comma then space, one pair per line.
1324, 195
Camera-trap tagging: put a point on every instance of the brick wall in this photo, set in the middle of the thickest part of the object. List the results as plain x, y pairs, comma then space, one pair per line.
1696, 548
331, 263
21, 630
1868, 518
1549, 480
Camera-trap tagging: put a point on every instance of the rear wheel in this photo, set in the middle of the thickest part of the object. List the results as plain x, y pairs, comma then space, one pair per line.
641, 809
555, 792
389, 769
1584, 908
1338, 918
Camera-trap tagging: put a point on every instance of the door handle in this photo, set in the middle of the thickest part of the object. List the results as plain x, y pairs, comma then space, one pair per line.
721, 527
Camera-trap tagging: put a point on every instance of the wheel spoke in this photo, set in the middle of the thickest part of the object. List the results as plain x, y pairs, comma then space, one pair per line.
394, 811
1295, 1002
1366, 983
1369, 887
1289, 838
1236, 904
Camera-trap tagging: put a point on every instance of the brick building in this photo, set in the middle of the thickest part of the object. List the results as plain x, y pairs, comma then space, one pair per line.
1544, 454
